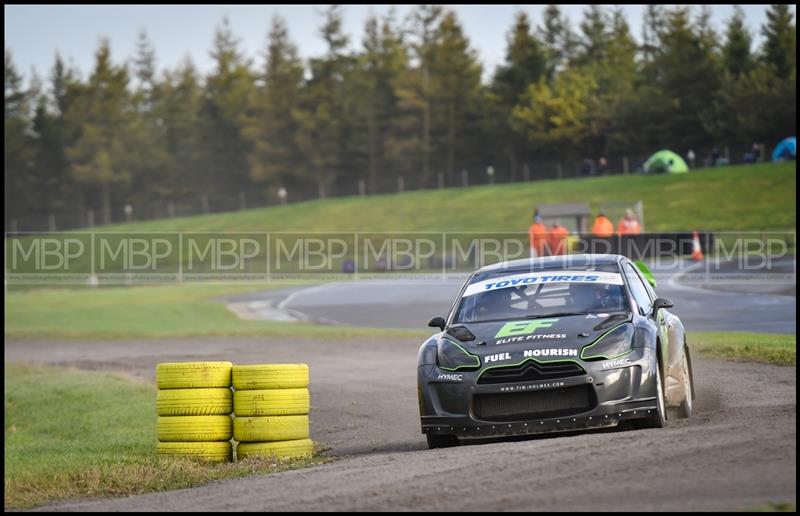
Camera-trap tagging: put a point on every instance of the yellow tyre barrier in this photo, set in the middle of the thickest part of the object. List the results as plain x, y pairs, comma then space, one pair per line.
189, 375
272, 402
270, 428
193, 428
270, 376
214, 452
194, 402
280, 449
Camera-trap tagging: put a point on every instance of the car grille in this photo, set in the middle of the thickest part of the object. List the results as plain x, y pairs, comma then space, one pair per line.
534, 405
530, 372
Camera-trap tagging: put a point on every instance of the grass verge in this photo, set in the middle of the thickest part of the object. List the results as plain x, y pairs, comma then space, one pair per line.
766, 348
735, 198
72, 433
162, 311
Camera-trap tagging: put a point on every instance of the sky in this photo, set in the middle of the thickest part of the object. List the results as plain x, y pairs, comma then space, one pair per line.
34, 33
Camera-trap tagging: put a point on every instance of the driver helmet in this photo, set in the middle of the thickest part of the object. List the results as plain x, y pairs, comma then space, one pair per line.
498, 300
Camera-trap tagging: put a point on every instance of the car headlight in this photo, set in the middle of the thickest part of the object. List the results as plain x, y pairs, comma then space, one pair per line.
614, 343
452, 357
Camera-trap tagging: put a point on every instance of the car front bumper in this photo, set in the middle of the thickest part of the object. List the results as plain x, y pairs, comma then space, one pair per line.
622, 391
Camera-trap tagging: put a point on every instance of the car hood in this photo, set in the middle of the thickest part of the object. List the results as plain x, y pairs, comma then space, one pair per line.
551, 338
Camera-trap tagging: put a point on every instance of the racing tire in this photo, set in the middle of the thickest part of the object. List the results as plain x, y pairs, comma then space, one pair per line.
686, 407
272, 402
281, 449
660, 419
270, 376
194, 402
193, 428
193, 375
270, 428
212, 452
441, 441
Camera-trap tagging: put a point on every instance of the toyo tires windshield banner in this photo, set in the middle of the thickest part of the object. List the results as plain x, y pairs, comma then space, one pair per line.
532, 278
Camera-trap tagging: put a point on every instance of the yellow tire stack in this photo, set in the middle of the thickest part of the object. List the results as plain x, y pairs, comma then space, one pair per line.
194, 404
271, 404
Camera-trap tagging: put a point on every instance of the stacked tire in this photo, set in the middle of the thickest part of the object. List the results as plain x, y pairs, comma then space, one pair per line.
194, 404
271, 403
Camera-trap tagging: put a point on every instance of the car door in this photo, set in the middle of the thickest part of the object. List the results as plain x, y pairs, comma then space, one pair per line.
644, 297
671, 333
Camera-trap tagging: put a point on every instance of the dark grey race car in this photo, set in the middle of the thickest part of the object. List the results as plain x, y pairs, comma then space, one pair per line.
553, 344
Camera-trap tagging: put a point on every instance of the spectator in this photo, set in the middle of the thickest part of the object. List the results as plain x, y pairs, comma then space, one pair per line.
537, 234
715, 156
754, 155
691, 156
602, 167
603, 227
629, 225
558, 239
587, 168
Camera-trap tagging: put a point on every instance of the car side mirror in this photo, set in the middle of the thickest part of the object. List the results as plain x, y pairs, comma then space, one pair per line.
659, 303
437, 322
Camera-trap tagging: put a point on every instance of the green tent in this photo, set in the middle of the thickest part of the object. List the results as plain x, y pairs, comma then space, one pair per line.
665, 161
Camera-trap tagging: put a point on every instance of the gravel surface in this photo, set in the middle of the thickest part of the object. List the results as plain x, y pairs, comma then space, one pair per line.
738, 451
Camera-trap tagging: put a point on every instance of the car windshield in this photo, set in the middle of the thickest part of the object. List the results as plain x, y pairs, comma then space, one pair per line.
543, 293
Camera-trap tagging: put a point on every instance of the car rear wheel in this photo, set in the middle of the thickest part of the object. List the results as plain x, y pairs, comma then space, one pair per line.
685, 408
441, 441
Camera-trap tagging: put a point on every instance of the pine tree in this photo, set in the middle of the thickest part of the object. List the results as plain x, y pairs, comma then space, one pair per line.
677, 85
525, 63
147, 134
382, 66
616, 81
652, 31
180, 110
424, 20
780, 41
145, 63
455, 79
53, 186
228, 91
272, 126
324, 115
17, 150
736, 53
594, 40
559, 40
608, 55
100, 158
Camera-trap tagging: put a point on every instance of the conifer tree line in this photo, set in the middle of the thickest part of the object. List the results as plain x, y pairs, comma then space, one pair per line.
404, 107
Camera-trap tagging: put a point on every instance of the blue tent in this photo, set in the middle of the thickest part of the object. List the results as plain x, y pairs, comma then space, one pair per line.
786, 149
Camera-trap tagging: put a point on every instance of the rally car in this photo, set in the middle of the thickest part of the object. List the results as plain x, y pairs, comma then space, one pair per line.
553, 344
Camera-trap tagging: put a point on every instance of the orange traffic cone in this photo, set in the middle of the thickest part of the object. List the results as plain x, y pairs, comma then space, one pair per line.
697, 252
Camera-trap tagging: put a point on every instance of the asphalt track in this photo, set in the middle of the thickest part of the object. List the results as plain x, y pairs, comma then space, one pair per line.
762, 303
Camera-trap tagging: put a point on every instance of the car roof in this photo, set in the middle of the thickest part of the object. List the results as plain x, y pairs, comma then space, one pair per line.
553, 262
